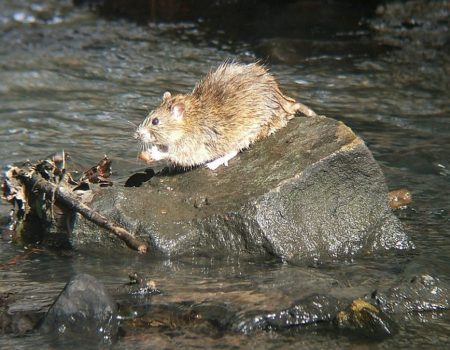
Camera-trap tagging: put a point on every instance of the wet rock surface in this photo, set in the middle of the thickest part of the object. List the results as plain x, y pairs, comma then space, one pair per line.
353, 315
83, 310
419, 293
308, 311
310, 191
363, 318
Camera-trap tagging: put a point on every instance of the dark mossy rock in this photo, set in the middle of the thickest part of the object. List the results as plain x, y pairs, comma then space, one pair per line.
312, 191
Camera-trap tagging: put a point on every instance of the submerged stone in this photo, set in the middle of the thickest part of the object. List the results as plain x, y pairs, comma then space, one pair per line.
311, 191
312, 310
417, 294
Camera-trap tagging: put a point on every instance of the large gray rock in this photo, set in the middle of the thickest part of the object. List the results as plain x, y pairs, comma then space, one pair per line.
311, 191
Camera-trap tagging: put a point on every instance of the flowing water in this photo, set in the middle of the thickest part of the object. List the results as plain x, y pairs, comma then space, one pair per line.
73, 80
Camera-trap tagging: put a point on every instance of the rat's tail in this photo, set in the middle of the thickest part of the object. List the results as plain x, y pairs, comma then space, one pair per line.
301, 108
291, 107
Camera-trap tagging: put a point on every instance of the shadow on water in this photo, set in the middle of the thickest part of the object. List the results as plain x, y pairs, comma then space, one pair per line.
75, 77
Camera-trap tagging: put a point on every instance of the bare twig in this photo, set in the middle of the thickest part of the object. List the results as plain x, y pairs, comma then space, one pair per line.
66, 198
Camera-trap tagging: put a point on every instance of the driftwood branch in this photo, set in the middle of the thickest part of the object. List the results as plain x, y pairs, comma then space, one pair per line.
66, 198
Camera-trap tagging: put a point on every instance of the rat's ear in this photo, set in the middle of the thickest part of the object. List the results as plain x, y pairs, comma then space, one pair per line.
178, 110
167, 95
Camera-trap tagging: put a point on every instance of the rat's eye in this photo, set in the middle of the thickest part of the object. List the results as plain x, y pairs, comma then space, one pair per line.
155, 121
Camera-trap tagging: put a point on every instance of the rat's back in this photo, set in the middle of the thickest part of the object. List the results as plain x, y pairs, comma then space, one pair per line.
250, 84
244, 103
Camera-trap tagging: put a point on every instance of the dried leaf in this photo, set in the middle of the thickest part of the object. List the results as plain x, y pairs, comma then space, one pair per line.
399, 198
99, 173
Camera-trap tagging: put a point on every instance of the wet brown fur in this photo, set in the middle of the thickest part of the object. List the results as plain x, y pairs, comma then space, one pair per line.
229, 109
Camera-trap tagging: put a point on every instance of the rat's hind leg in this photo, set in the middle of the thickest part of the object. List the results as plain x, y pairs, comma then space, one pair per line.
222, 160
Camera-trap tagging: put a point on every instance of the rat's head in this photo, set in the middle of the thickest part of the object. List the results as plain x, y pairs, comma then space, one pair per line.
164, 125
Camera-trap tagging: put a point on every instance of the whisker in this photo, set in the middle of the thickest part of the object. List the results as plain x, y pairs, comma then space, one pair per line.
132, 124
125, 121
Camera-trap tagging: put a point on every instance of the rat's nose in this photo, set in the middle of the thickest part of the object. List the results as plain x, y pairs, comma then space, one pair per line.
142, 134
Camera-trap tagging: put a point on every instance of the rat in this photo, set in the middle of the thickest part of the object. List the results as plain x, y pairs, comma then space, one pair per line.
229, 109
